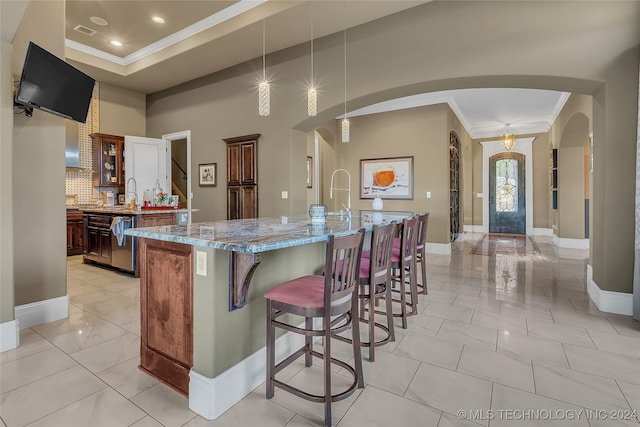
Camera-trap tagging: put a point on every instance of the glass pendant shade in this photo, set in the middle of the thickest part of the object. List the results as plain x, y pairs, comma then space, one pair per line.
264, 98
508, 141
345, 130
312, 102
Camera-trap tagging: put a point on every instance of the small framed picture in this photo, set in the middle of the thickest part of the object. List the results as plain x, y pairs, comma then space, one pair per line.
208, 174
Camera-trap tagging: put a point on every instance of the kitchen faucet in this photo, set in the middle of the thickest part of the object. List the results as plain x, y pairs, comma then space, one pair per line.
135, 191
347, 210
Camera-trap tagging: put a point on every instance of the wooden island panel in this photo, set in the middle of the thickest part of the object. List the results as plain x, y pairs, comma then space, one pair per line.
166, 301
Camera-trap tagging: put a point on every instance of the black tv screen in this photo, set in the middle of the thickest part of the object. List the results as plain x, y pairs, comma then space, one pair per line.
48, 83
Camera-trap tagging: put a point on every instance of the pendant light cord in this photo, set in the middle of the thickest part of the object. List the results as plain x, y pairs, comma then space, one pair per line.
345, 73
264, 71
312, 83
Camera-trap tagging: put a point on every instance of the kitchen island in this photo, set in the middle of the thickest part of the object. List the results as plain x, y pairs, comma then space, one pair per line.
202, 311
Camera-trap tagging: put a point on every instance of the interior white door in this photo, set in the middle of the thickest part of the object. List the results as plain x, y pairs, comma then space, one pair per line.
146, 160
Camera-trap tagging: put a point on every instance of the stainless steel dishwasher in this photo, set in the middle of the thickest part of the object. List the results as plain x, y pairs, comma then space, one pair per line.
124, 256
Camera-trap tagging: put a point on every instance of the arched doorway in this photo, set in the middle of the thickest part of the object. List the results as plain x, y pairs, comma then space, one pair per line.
507, 208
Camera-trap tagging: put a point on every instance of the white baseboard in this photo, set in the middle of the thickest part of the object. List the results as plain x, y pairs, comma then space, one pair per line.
608, 301
211, 397
474, 229
563, 242
541, 232
9, 335
37, 313
438, 248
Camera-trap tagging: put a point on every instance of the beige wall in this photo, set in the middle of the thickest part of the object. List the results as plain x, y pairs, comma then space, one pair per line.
122, 111
39, 214
570, 197
541, 185
390, 58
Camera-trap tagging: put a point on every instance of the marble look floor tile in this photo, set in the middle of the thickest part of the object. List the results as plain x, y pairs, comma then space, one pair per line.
541, 350
117, 303
501, 368
448, 420
425, 349
147, 421
30, 343
631, 392
606, 364
33, 368
92, 297
442, 297
479, 303
83, 289
506, 401
165, 405
616, 343
425, 325
579, 388
625, 325
252, 411
299, 421
109, 353
77, 321
449, 391
38, 399
561, 333
500, 322
377, 373
133, 327
464, 333
378, 408
627, 421
451, 312
127, 379
123, 316
523, 312
87, 336
460, 289
311, 380
582, 320
105, 408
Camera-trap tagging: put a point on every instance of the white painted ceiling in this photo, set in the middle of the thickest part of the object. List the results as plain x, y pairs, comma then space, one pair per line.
221, 34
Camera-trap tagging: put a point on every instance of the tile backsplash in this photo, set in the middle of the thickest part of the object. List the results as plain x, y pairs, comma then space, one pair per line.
79, 183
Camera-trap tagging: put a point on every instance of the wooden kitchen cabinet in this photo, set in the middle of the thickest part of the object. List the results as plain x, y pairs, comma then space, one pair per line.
75, 232
108, 160
97, 241
166, 312
242, 177
155, 220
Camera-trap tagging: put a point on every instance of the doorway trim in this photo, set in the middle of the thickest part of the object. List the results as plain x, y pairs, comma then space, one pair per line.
174, 136
522, 146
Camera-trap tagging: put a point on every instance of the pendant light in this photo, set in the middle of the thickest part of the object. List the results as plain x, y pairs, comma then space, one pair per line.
345, 120
264, 90
508, 139
312, 93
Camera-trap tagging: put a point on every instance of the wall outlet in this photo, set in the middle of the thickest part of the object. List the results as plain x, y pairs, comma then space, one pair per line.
201, 263
428, 194
285, 194
479, 195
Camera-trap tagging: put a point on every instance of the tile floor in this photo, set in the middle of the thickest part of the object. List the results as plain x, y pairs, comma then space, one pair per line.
509, 341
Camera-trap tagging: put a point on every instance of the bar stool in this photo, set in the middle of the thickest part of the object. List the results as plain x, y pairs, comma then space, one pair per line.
403, 264
421, 242
332, 298
375, 285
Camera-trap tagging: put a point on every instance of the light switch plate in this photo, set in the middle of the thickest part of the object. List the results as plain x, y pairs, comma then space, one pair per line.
428, 194
285, 194
201, 263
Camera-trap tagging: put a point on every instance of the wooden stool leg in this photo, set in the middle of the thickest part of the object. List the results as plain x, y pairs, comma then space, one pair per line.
355, 339
423, 267
327, 372
308, 341
271, 351
389, 309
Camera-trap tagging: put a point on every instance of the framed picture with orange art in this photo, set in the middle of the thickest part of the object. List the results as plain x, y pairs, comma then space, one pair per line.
387, 178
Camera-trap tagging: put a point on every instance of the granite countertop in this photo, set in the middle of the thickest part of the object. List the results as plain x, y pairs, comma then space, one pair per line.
127, 211
265, 234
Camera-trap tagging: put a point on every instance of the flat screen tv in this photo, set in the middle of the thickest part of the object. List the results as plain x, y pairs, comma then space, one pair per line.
50, 84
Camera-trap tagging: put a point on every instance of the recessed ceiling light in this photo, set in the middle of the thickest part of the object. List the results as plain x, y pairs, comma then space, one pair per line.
157, 20
115, 43
98, 21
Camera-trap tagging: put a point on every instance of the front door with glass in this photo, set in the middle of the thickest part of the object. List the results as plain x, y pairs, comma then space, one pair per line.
507, 194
